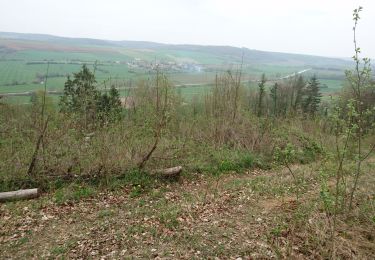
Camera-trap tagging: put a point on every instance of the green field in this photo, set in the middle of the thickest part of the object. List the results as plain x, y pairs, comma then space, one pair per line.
333, 85
20, 76
23, 64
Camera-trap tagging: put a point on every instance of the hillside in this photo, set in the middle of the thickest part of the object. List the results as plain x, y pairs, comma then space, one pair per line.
145, 150
23, 59
229, 54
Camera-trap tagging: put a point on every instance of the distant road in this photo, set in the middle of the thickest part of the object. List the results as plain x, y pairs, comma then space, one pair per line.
192, 84
294, 74
28, 93
287, 76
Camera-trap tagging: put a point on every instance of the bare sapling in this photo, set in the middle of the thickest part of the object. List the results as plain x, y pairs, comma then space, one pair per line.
161, 114
358, 79
42, 129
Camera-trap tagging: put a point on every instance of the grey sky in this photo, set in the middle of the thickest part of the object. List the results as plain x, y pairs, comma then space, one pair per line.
321, 27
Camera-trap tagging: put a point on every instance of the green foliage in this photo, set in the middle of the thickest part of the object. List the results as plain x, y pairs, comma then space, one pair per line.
82, 97
109, 105
80, 94
273, 95
313, 97
351, 125
286, 155
244, 162
73, 192
287, 98
298, 92
295, 146
138, 178
261, 94
326, 195
310, 150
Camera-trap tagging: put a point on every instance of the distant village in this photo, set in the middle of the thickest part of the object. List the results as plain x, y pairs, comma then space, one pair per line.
169, 66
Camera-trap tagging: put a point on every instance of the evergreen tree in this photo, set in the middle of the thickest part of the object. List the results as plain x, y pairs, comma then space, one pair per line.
109, 105
80, 94
262, 92
114, 97
273, 95
313, 96
299, 89
82, 97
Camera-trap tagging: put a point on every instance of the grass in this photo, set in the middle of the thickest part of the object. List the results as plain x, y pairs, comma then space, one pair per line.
235, 219
73, 192
333, 85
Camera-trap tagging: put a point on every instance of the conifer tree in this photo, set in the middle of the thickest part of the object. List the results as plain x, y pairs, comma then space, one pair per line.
313, 96
109, 105
80, 94
262, 92
273, 95
299, 88
82, 97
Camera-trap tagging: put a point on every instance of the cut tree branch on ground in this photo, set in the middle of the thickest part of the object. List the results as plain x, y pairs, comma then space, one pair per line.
169, 172
19, 194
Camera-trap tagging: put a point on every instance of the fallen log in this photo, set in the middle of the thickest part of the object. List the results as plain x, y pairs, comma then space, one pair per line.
170, 172
19, 194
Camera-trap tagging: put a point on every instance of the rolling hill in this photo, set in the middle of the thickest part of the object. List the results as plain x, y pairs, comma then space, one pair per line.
23, 59
17, 41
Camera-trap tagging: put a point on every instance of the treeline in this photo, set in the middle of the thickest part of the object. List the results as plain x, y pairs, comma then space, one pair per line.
14, 83
287, 98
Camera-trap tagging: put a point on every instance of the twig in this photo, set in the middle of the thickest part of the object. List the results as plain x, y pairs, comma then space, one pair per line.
368, 154
37, 147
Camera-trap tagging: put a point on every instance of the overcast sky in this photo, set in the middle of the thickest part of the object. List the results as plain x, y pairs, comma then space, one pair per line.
321, 27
